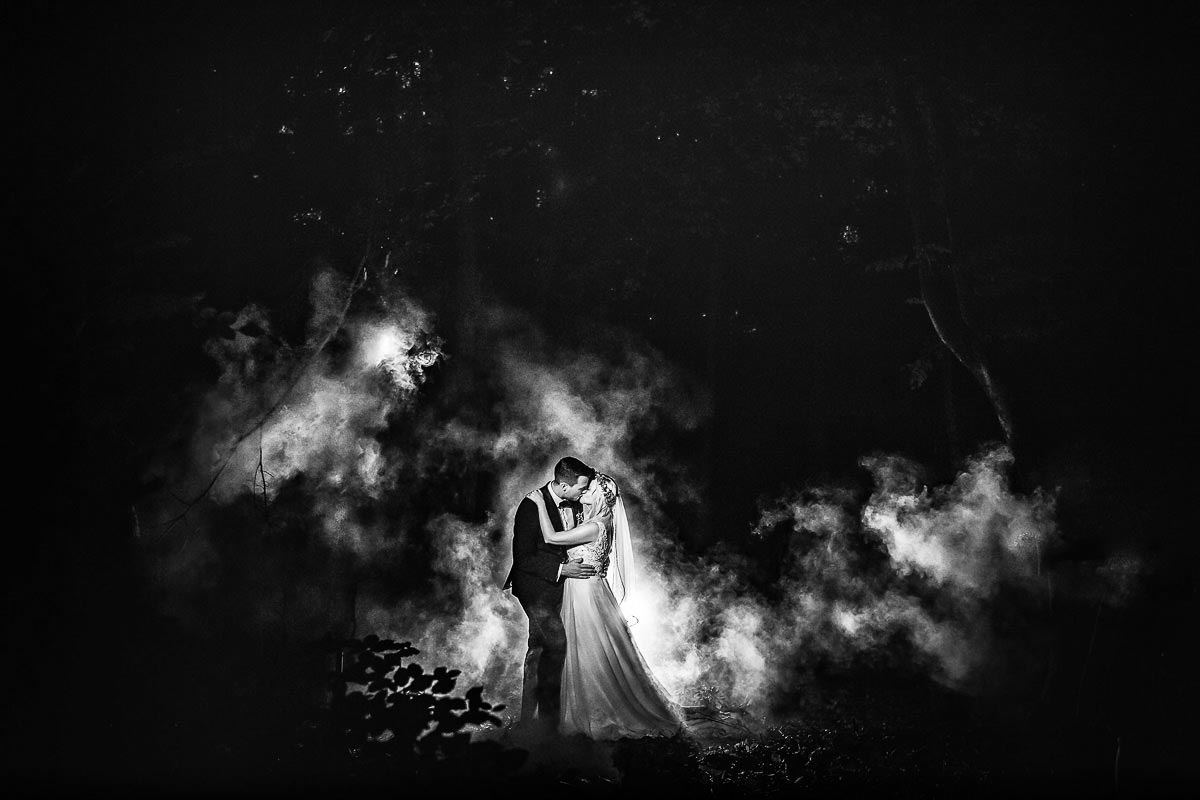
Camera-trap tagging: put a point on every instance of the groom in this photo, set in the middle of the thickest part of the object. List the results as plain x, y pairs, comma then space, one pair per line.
536, 579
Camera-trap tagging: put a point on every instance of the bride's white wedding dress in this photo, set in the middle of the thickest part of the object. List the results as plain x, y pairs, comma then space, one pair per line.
608, 691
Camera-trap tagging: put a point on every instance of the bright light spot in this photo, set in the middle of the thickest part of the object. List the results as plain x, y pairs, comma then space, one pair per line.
386, 344
847, 620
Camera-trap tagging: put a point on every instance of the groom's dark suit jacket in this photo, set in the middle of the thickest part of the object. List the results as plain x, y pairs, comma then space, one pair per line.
534, 573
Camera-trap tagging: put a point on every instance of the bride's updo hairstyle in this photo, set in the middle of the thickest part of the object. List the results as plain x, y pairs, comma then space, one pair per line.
570, 469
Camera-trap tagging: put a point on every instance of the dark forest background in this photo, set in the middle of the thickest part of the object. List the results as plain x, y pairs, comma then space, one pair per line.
911, 228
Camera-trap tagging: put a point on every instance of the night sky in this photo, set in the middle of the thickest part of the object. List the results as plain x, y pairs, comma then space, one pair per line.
713, 212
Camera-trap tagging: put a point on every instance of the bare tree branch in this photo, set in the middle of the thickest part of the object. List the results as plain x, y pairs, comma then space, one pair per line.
356, 284
261, 472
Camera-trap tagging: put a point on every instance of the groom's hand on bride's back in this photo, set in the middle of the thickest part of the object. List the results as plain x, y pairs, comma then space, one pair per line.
578, 569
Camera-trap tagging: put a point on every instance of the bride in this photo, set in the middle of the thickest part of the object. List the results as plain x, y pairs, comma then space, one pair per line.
608, 691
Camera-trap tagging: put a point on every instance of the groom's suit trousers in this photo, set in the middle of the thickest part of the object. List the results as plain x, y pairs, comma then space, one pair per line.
542, 683
536, 584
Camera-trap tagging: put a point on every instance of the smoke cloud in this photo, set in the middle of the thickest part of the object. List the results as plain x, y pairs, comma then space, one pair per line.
348, 451
910, 562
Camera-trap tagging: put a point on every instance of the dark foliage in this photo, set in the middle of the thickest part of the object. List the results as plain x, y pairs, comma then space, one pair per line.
389, 721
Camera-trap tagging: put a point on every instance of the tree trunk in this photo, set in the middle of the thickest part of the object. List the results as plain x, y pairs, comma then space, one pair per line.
714, 331
947, 373
929, 174
467, 280
468, 284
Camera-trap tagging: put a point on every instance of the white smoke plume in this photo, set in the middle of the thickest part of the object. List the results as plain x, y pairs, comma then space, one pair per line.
915, 565
913, 562
551, 401
330, 410
328, 437
278, 415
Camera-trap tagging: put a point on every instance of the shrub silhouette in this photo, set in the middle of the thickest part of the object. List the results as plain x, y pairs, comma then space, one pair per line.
386, 716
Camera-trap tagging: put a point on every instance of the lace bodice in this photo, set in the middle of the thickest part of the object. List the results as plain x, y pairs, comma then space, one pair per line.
594, 553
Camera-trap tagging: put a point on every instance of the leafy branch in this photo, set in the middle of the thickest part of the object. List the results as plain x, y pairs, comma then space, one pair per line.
385, 713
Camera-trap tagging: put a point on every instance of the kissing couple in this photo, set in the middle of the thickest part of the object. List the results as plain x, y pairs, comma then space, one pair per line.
572, 563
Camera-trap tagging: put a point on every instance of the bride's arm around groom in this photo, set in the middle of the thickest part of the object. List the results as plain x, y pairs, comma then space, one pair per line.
533, 560
584, 533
